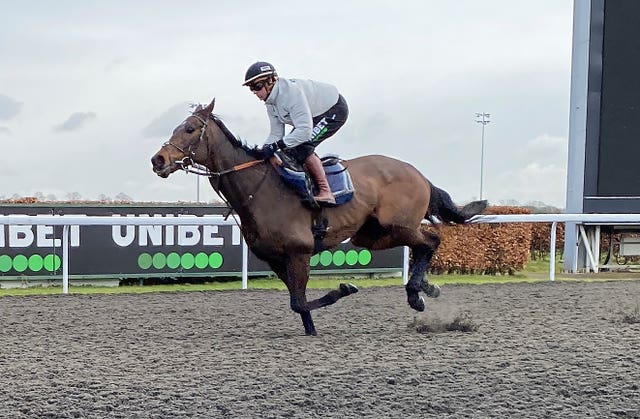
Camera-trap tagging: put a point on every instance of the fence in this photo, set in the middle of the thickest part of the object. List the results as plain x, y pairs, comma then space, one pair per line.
587, 227
584, 222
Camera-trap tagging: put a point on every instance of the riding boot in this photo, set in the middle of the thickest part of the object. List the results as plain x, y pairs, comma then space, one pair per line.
314, 165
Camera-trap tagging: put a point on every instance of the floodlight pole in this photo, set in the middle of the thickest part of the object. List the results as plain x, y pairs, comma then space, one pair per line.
482, 118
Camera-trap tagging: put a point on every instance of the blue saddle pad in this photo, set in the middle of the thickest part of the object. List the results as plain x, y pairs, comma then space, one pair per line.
337, 175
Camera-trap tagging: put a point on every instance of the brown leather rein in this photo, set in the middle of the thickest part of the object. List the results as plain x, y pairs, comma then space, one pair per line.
188, 165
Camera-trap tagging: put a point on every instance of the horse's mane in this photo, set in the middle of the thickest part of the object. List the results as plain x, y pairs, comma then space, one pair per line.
252, 151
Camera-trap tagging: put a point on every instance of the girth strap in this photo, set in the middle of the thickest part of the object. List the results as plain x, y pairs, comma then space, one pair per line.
319, 229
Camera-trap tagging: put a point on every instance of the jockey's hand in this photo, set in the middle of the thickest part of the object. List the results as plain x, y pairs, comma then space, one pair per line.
270, 149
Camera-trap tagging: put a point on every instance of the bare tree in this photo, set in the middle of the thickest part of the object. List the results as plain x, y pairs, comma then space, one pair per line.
509, 202
74, 196
123, 197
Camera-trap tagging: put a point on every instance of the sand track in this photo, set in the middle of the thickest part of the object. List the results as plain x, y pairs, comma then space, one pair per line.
540, 350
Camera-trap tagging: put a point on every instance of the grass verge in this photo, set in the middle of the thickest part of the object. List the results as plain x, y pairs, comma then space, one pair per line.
536, 271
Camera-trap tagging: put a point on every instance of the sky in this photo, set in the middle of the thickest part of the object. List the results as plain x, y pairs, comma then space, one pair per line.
89, 90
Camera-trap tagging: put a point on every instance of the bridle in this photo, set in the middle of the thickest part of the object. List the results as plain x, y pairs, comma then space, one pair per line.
188, 165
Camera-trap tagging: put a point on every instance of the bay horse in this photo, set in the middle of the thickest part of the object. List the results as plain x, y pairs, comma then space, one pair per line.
390, 201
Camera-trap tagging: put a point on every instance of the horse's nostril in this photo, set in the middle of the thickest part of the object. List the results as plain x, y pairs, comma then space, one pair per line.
157, 161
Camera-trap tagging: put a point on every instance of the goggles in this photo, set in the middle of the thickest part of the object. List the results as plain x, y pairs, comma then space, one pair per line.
257, 86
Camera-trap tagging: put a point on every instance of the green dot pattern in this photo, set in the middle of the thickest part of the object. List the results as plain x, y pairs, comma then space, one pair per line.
201, 260
340, 258
52, 262
351, 257
36, 263
159, 260
326, 258
20, 263
5, 263
145, 260
32, 263
187, 260
174, 260
364, 257
215, 260
314, 260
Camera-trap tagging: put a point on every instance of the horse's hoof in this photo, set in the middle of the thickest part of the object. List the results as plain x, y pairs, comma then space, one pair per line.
431, 290
348, 289
311, 333
417, 303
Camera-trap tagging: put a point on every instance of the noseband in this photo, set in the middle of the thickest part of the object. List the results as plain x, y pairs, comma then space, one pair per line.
187, 163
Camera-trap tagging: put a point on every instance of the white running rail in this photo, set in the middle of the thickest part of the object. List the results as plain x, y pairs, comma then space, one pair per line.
591, 245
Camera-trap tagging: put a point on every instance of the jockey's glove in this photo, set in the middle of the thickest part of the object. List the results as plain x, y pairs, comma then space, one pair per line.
269, 149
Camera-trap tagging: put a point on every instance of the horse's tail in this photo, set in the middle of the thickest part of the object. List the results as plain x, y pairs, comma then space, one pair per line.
441, 206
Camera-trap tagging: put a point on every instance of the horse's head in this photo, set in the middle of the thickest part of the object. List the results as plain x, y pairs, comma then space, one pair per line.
187, 145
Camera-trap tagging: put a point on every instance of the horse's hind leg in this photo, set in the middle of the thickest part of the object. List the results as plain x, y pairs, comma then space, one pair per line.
423, 245
422, 254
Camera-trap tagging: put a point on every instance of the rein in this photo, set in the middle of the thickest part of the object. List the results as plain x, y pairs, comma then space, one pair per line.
199, 169
188, 165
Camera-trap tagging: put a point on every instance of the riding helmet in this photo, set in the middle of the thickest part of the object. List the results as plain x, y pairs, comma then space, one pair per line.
258, 70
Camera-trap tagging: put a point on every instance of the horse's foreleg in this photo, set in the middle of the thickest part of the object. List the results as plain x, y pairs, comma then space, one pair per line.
307, 322
297, 276
333, 296
298, 298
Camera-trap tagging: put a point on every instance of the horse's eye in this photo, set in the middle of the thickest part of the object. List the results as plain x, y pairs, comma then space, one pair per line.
189, 129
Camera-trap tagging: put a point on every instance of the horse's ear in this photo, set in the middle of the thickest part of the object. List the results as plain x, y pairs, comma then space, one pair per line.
209, 109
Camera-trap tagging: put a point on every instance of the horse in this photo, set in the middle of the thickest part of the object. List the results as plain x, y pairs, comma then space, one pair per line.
390, 201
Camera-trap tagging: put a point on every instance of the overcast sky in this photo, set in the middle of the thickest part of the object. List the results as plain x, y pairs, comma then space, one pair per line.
89, 90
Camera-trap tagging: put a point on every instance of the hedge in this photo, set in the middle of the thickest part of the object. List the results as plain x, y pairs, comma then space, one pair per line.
483, 248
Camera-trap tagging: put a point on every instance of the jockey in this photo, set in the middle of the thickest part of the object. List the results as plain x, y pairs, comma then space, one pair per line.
315, 110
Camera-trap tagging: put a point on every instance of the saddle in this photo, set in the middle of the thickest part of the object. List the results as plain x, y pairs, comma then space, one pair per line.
296, 177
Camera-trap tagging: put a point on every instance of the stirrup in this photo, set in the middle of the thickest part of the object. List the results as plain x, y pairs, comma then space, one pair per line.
325, 203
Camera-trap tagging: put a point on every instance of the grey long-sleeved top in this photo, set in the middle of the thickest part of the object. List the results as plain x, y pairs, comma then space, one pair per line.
295, 102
